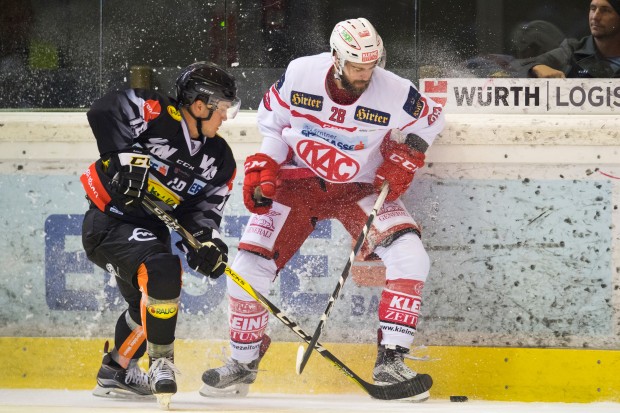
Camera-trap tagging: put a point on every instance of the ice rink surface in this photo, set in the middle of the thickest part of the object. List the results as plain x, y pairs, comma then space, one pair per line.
57, 401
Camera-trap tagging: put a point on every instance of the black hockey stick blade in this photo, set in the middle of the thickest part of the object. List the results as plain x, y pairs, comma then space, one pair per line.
409, 388
299, 367
417, 385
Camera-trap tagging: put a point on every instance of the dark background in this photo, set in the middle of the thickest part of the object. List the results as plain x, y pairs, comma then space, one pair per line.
65, 53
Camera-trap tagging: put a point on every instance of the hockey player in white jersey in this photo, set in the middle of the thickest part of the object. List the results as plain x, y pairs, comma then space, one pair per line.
335, 126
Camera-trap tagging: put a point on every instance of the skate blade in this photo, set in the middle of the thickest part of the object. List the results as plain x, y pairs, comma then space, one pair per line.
230, 392
116, 393
163, 399
418, 398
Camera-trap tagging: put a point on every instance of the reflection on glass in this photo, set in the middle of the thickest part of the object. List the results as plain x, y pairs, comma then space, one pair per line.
65, 54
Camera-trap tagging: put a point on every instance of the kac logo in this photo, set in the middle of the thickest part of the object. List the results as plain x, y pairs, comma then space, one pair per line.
327, 161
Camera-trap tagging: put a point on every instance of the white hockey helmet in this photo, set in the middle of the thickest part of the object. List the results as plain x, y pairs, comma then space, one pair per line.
357, 41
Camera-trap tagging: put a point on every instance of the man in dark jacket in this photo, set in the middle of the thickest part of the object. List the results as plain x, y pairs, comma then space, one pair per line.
597, 55
168, 148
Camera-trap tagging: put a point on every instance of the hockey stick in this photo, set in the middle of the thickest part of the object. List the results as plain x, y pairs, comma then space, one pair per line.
409, 388
343, 277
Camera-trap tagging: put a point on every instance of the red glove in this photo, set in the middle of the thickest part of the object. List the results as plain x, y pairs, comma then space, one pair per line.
399, 165
260, 172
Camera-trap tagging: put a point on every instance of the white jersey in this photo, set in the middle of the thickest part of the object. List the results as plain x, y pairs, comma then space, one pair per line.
339, 143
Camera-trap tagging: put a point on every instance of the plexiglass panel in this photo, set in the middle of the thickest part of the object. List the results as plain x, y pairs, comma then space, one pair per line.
66, 53
482, 38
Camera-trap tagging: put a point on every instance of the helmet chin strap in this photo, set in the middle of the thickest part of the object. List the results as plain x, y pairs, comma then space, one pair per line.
199, 120
338, 63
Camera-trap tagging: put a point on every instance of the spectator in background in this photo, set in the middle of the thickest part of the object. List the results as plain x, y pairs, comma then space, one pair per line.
597, 55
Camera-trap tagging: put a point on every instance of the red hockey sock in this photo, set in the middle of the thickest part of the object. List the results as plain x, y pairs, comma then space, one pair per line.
399, 310
248, 322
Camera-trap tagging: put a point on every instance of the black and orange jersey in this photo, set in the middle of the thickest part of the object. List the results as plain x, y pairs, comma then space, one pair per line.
191, 177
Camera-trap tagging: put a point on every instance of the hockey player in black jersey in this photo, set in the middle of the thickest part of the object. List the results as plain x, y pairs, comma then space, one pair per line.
168, 148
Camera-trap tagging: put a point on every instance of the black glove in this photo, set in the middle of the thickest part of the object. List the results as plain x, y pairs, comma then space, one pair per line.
132, 177
210, 260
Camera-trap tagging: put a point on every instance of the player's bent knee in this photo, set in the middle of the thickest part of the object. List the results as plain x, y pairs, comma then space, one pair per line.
256, 270
405, 258
160, 276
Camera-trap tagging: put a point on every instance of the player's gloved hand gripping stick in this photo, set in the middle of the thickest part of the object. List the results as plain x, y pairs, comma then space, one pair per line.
131, 180
259, 183
417, 385
210, 259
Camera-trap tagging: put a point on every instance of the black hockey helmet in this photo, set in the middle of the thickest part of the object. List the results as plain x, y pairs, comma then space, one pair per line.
211, 84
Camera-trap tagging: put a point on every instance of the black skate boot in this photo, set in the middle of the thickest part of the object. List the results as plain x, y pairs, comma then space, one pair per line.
113, 381
390, 368
163, 379
233, 379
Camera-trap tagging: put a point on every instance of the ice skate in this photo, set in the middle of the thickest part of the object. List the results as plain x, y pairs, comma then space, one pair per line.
114, 381
163, 380
390, 368
233, 379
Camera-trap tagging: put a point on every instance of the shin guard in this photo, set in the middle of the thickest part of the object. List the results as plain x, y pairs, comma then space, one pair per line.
248, 322
129, 340
399, 309
159, 278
